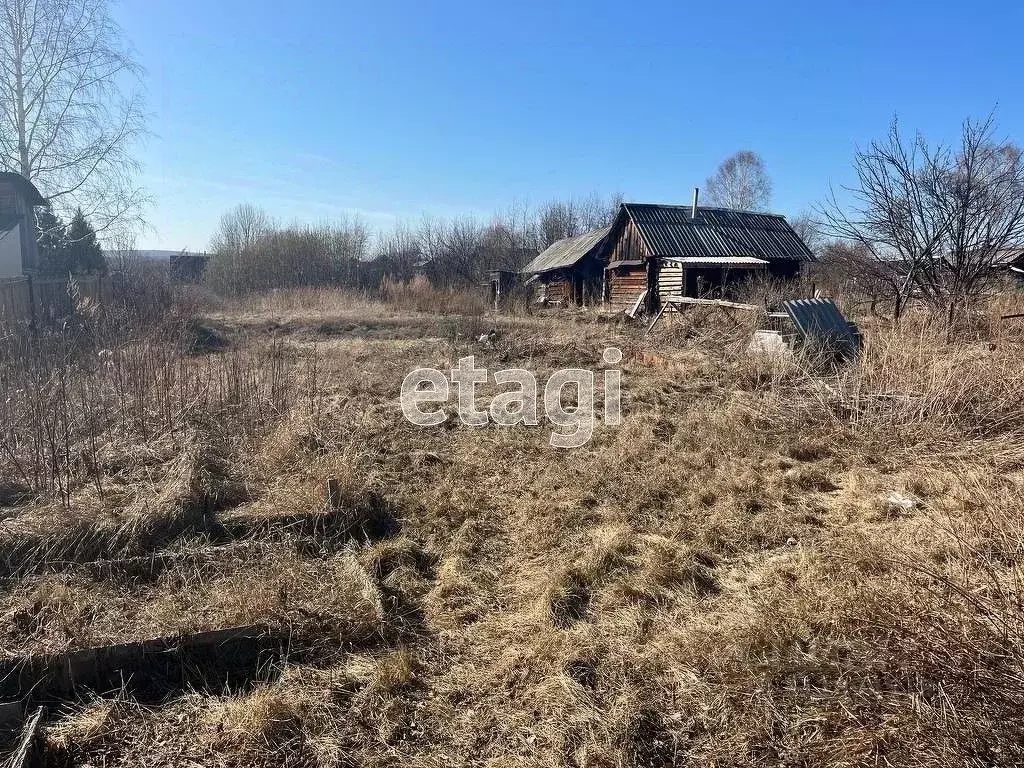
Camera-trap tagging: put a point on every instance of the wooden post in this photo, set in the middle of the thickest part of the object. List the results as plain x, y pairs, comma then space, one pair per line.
31, 304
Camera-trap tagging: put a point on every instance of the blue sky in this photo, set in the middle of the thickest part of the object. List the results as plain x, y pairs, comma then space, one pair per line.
314, 109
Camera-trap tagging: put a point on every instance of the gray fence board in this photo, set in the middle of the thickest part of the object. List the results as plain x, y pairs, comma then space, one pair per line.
25, 300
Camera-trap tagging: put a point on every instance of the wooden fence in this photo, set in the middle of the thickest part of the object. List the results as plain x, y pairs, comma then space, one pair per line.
42, 301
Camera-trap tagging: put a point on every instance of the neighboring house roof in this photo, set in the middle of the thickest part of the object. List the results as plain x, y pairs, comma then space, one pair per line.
1010, 257
669, 230
567, 252
24, 186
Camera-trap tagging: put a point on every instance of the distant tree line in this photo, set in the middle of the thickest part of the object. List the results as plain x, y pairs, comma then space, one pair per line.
252, 252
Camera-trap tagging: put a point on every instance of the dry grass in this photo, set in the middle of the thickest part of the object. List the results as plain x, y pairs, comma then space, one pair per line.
767, 563
330, 602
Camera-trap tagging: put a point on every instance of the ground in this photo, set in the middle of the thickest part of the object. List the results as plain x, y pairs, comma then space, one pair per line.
769, 562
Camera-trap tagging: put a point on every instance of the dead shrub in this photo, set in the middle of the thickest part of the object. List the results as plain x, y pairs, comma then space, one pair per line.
421, 295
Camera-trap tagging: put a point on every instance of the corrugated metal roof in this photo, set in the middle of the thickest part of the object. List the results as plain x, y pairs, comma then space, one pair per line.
566, 252
668, 230
740, 262
819, 320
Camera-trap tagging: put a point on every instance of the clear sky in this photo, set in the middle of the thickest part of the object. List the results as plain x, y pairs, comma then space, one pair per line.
313, 108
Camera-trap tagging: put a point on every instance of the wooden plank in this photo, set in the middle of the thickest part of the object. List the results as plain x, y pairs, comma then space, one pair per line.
146, 662
712, 303
15, 303
637, 304
24, 299
670, 283
657, 317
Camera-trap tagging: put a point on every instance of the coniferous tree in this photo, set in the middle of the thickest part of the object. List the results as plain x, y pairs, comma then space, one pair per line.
85, 257
52, 241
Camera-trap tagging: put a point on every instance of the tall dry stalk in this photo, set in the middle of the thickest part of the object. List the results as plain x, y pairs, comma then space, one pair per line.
61, 399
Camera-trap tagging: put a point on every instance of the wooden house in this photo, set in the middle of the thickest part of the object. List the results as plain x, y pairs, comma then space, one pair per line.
693, 251
569, 271
19, 254
185, 267
1011, 261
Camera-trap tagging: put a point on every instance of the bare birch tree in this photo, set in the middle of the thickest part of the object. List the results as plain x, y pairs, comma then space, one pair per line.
65, 122
938, 220
741, 183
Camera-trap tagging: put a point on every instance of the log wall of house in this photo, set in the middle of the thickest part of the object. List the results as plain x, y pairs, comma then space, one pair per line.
557, 289
670, 281
625, 284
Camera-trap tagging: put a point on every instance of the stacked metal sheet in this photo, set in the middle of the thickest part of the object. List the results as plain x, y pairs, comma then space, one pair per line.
820, 323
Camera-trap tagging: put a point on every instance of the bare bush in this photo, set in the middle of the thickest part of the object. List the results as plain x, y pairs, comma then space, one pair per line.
115, 376
422, 295
252, 255
936, 220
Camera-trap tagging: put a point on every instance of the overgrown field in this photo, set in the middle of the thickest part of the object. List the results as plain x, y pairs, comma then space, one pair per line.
767, 563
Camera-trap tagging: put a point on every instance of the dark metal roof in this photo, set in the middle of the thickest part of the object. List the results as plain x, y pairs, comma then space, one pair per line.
567, 252
820, 321
669, 230
24, 186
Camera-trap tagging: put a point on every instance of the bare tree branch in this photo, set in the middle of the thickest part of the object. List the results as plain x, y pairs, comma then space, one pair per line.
935, 220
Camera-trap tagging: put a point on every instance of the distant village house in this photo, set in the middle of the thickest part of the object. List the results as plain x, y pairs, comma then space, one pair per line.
1012, 261
186, 267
